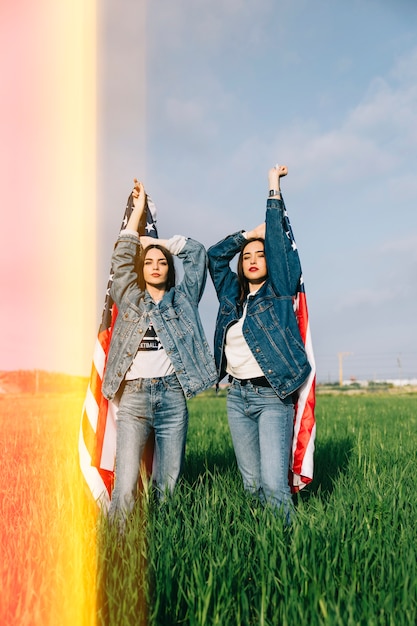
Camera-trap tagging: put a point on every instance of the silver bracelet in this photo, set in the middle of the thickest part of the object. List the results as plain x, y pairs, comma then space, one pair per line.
274, 192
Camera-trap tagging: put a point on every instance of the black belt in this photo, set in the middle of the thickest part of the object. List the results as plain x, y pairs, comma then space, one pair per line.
260, 381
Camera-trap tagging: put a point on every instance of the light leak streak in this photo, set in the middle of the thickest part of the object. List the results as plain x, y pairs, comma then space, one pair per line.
48, 245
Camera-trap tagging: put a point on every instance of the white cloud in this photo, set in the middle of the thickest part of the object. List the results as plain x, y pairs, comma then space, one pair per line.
366, 298
189, 116
380, 272
378, 137
404, 246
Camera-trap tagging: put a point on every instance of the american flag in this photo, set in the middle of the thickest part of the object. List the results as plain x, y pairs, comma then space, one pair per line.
302, 452
97, 438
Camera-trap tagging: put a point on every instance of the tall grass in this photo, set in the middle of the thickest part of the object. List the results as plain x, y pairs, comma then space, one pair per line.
211, 555
215, 557
47, 530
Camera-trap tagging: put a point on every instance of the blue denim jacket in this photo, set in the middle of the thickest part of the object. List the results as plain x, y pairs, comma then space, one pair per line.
270, 327
176, 319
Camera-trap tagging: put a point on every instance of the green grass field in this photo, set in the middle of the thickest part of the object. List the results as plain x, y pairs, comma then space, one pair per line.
215, 558
212, 557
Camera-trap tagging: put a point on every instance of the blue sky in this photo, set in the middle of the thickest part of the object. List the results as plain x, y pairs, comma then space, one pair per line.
232, 87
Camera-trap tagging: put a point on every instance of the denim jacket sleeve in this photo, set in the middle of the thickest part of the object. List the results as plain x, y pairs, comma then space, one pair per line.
284, 268
125, 277
194, 261
219, 256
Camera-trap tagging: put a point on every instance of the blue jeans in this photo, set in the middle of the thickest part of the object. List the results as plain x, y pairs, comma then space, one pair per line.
148, 404
261, 425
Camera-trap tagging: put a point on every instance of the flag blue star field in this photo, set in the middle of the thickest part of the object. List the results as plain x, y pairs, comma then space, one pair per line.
97, 438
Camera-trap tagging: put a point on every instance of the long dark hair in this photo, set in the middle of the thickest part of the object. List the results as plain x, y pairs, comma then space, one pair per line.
243, 281
171, 267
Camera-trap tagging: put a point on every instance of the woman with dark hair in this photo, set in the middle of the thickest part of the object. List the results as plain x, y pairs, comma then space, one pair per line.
170, 279
158, 355
258, 343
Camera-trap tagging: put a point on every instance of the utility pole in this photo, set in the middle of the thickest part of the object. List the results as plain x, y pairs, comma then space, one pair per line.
341, 355
400, 367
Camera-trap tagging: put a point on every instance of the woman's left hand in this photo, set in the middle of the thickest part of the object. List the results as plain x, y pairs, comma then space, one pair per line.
259, 231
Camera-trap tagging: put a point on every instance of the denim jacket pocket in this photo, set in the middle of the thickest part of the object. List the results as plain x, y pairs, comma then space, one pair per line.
131, 313
264, 314
226, 310
294, 340
127, 321
178, 321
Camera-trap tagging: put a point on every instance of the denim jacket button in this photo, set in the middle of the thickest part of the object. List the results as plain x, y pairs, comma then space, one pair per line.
258, 350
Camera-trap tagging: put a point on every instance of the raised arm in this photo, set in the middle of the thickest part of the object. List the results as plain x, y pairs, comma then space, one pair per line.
284, 268
126, 249
139, 203
194, 261
219, 257
274, 179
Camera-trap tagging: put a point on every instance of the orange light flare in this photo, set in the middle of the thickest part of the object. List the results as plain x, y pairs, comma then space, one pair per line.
48, 314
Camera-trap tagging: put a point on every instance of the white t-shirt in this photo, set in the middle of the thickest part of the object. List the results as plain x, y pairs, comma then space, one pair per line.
240, 362
151, 360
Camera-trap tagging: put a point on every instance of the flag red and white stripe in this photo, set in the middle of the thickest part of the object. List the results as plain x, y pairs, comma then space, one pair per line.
302, 453
97, 437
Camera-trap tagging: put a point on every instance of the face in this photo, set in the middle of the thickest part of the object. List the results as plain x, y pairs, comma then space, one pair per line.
254, 263
155, 268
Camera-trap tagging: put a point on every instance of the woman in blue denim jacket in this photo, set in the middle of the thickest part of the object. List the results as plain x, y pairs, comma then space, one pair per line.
258, 343
158, 356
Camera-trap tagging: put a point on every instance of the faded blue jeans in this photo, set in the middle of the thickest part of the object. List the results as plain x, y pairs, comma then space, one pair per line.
148, 404
261, 425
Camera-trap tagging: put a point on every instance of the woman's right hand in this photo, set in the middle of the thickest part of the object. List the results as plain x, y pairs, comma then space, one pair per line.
139, 201
138, 194
274, 175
